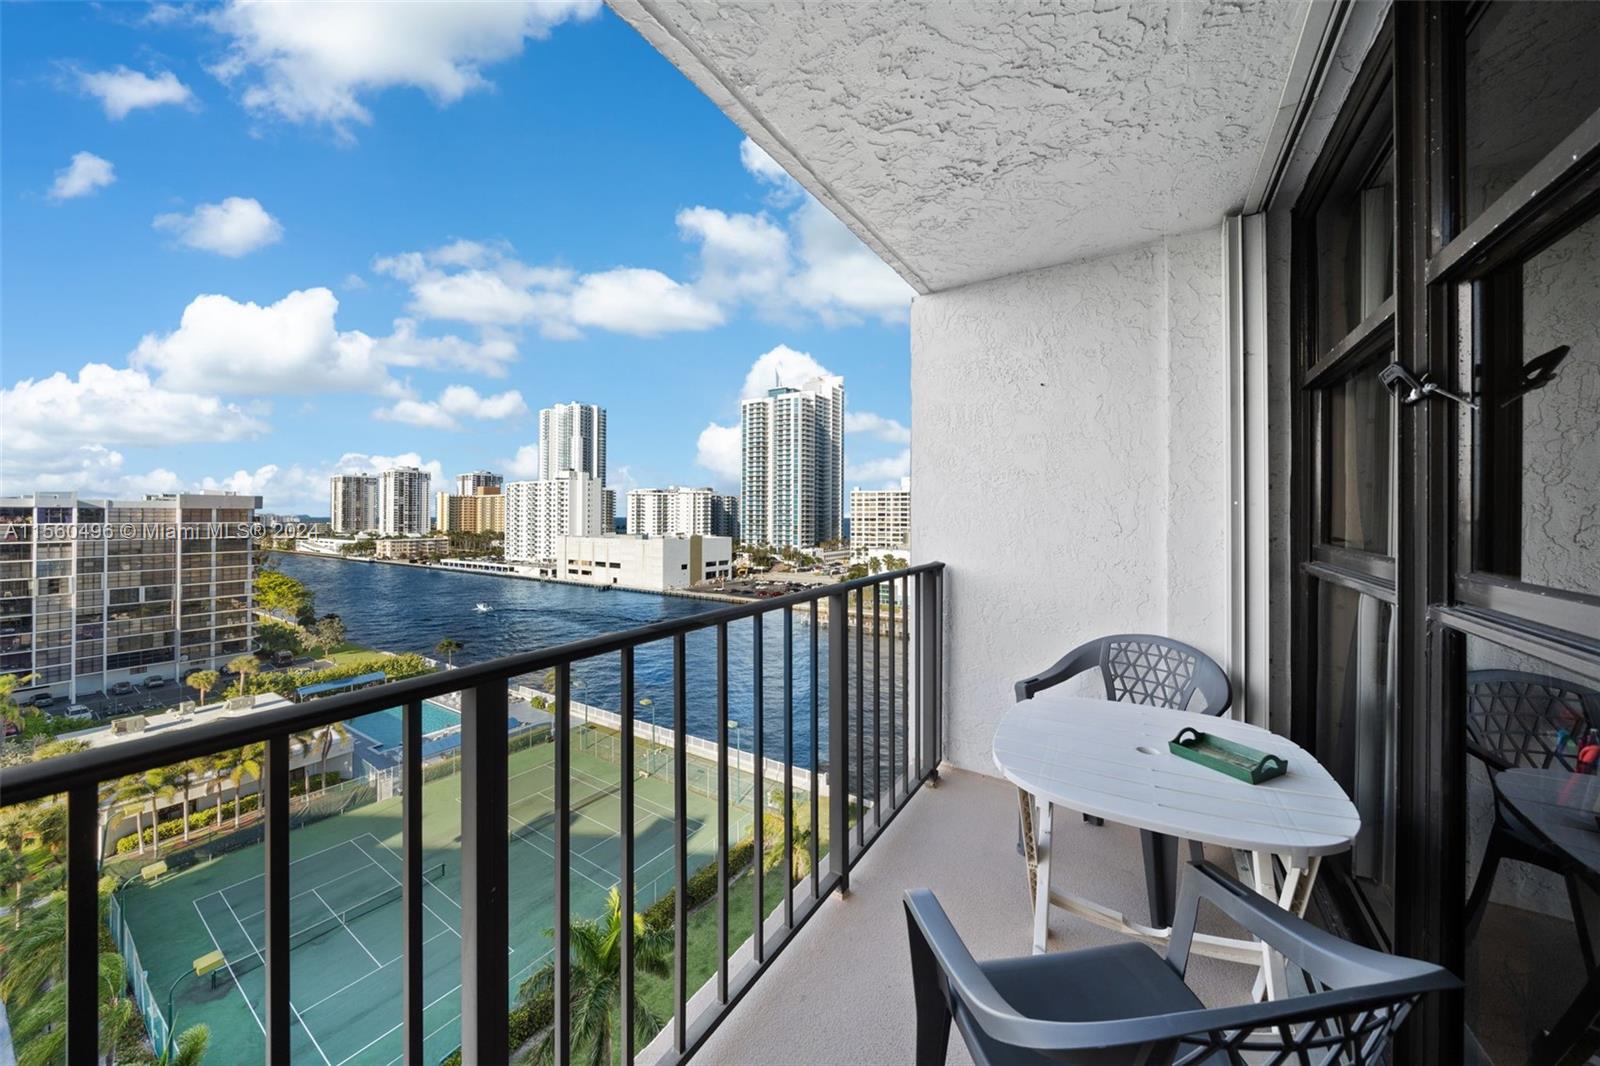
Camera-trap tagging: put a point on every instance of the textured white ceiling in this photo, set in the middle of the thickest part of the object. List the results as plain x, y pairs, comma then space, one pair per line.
965, 141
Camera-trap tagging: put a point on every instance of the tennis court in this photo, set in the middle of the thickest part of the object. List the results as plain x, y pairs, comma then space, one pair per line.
345, 915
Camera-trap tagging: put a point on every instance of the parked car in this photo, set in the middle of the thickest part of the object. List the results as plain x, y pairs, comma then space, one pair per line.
80, 710
43, 699
121, 688
156, 681
283, 658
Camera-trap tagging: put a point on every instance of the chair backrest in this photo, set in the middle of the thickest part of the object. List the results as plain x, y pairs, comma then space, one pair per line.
1355, 998
1161, 672
1522, 719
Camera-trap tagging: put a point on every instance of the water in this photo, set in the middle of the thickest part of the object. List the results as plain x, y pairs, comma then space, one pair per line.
388, 729
405, 608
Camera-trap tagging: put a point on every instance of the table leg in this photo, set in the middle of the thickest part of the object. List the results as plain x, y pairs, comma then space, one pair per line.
1042, 832
1272, 982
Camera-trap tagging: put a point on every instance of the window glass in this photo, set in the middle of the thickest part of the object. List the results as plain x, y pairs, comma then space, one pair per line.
1531, 854
1530, 80
1355, 235
1539, 425
1355, 724
1357, 463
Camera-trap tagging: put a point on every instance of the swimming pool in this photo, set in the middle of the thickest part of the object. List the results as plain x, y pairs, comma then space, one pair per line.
386, 727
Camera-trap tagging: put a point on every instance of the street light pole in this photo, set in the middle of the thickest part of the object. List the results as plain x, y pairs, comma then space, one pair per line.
736, 747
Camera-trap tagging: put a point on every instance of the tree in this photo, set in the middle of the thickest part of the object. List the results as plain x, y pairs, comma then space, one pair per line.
132, 793
329, 633
14, 871
332, 730
596, 984
874, 564
282, 593
244, 763
190, 1048
203, 681
448, 648
244, 665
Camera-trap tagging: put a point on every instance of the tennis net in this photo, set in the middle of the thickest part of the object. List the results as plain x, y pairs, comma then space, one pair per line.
333, 920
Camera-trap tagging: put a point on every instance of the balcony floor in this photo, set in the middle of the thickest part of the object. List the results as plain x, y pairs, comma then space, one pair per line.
841, 992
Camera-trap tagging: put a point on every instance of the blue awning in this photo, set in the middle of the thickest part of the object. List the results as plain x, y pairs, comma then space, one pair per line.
324, 687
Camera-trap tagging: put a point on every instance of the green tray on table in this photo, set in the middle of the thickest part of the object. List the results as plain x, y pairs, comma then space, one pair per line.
1227, 757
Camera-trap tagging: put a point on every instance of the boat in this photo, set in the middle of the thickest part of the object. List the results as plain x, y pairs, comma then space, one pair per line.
483, 608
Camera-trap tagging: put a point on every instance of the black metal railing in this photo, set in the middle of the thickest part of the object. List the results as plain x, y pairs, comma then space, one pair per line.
866, 789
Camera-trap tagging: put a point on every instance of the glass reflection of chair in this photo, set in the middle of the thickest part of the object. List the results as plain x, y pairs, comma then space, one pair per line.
1517, 719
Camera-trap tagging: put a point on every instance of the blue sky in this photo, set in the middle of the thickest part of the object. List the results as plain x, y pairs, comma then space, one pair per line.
248, 246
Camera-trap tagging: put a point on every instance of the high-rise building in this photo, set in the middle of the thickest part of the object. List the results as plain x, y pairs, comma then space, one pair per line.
403, 501
880, 518
93, 592
679, 511
792, 465
353, 502
572, 436
482, 511
468, 484
572, 504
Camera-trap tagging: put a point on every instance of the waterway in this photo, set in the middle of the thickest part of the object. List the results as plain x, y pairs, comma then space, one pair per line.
405, 608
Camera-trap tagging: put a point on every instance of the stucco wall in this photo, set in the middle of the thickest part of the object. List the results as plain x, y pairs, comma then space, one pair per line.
1071, 465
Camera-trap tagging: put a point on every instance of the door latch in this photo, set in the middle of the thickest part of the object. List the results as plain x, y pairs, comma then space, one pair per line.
1405, 386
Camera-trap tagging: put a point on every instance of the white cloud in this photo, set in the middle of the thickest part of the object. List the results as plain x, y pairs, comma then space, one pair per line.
523, 465
353, 283
885, 429
784, 366
294, 346
234, 227
455, 403
121, 91
86, 173
761, 165
491, 354
291, 346
839, 278
718, 451
886, 471
741, 256
314, 62
105, 405
58, 429
475, 296
641, 302
303, 488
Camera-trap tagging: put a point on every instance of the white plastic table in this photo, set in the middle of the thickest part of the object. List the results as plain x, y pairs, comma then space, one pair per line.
1111, 760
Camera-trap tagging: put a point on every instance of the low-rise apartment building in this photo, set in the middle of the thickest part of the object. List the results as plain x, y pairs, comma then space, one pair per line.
643, 562
411, 549
538, 512
481, 511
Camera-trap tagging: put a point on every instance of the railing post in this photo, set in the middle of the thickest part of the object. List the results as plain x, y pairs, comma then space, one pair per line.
839, 740
938, 670
563, 863
927, 681
275, 804
485, 974
412, 993
628, 740
83, 926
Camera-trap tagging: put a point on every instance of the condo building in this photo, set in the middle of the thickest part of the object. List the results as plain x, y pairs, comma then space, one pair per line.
93, 592
540, 512
680, 511
403, 501
468, 484
880, 518
572, 436
353, 502
792, 465
481, 511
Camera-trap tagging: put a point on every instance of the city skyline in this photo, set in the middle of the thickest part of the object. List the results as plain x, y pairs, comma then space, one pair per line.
284, 292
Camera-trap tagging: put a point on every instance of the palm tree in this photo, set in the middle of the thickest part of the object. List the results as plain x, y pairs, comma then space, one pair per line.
164, 782
800, 850
244, 665
133, 793
246, 763
14, 872
203, 681
596, 983
190, 1048
184, 774
329, 633
329, 733
448, 647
